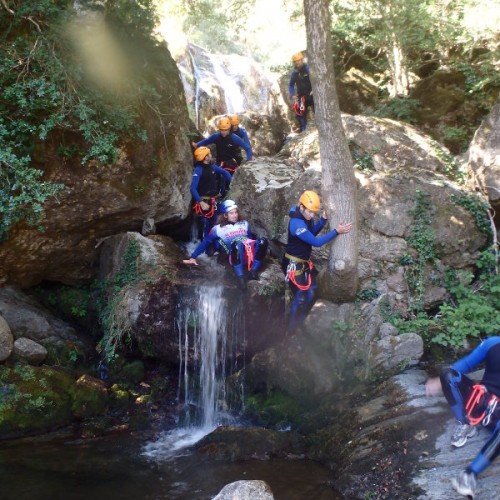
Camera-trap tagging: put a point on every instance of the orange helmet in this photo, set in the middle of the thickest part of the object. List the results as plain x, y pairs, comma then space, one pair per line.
201, 153
234, 119
310, 200
224, 124
297, 57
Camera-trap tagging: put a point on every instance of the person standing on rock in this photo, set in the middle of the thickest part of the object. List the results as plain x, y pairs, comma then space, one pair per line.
233, 235
239, 130
473, 403
296, 263
300, 90
205, 188
227, 146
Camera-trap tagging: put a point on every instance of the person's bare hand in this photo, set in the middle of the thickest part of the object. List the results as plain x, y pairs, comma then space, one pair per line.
344, 228
433, 387
204, 205
324, 215
194, 145
190, 261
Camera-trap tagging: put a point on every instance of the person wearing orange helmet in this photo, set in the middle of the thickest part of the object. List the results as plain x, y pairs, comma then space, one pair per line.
237, 129
227, 146
300, 90
205, 188
303, 233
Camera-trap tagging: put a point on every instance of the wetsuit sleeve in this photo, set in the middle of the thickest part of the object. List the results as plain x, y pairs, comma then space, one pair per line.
291, 84
299, 229
246, 146
223, 172
476, 357
244, 136
195, 180
318, 226
209, 140
211, 238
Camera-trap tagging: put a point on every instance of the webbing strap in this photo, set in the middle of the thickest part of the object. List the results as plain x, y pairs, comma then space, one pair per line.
291, 273
210, 212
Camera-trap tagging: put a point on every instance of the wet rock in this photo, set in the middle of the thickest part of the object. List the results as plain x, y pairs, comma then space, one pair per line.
245, 490
29, 351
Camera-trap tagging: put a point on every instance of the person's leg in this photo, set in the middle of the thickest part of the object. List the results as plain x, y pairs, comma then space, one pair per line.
457, 389
260, 250
305, 296
237, 252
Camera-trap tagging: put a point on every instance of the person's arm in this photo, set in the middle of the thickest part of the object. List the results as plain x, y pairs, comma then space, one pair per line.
476, 357
211, 237
246, 146
244, 136
195, 180
298, 228
209, 140
291, 84
223, 172
318, 225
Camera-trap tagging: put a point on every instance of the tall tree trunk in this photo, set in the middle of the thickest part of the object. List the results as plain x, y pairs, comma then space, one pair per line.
338, 181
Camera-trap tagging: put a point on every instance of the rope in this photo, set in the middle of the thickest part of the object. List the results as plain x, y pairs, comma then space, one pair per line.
209, 213
478, 391
291, 272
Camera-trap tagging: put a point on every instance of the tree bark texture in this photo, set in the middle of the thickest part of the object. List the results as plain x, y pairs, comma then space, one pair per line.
338, 181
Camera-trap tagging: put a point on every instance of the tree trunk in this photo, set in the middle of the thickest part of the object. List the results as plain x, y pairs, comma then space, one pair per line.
338, 181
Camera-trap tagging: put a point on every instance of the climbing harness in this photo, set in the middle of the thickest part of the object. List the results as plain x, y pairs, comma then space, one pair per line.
248, 244
300, 106
210, 212
230, 165
477, 399
292, 271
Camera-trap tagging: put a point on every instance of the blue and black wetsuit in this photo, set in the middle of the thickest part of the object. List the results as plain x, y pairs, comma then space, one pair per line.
205, 187
228, 152
457, 388
296, 264
242, 134
300, 81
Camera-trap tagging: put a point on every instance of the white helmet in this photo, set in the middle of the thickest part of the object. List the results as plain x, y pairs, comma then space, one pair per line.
227, 206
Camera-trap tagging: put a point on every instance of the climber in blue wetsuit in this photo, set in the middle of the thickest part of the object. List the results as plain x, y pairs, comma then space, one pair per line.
473, 403
227, 146
296, 263
300, 89
205, 188
236, 129
233, 235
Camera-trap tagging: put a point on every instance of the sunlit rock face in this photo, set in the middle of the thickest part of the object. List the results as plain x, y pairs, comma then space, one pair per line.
484, 157
149, 179
217, 84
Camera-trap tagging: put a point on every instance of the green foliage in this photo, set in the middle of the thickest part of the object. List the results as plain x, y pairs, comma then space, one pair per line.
422, 240
113, 317
471, 312
399, 109
45, 91
368, 294
477, 208
452, 169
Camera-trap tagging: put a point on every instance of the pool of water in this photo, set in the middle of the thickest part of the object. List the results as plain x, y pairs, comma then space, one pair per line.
118, 468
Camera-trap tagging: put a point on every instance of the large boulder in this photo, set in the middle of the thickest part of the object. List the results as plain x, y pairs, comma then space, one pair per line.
148, 180
6, 340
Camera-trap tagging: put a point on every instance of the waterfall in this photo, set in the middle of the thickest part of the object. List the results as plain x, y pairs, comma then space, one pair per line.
210, 340
197, 78
232, 93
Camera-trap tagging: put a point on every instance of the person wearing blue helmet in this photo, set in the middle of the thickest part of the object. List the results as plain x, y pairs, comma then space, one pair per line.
233, 235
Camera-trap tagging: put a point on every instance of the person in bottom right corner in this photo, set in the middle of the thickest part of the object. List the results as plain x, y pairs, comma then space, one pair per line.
473, 403
296, 264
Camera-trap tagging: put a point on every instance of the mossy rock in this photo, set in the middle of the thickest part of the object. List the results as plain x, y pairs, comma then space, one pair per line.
38, 399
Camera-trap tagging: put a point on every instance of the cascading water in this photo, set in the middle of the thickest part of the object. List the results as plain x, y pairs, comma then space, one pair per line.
233, 95
197, 78
209, 339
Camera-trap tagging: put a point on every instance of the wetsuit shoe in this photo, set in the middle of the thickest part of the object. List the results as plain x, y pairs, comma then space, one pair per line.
252, 275
242, 284
462, 433
465, 484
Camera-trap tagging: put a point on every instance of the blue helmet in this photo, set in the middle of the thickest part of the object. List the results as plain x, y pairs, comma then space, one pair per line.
227, 206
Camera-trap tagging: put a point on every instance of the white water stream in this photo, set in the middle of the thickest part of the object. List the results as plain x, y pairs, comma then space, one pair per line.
203, 343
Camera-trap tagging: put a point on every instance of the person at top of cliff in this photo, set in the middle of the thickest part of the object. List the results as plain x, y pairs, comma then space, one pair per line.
237, 129
300, 90
227, 146
205, 188
300, 273
233, 235
472, 404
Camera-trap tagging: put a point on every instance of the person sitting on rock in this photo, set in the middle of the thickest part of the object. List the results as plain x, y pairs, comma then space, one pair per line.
233, 235
227, 147
473, 403
205, 188
296, 263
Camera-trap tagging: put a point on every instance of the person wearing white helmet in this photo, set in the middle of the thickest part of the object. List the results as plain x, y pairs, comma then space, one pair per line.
233, 235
